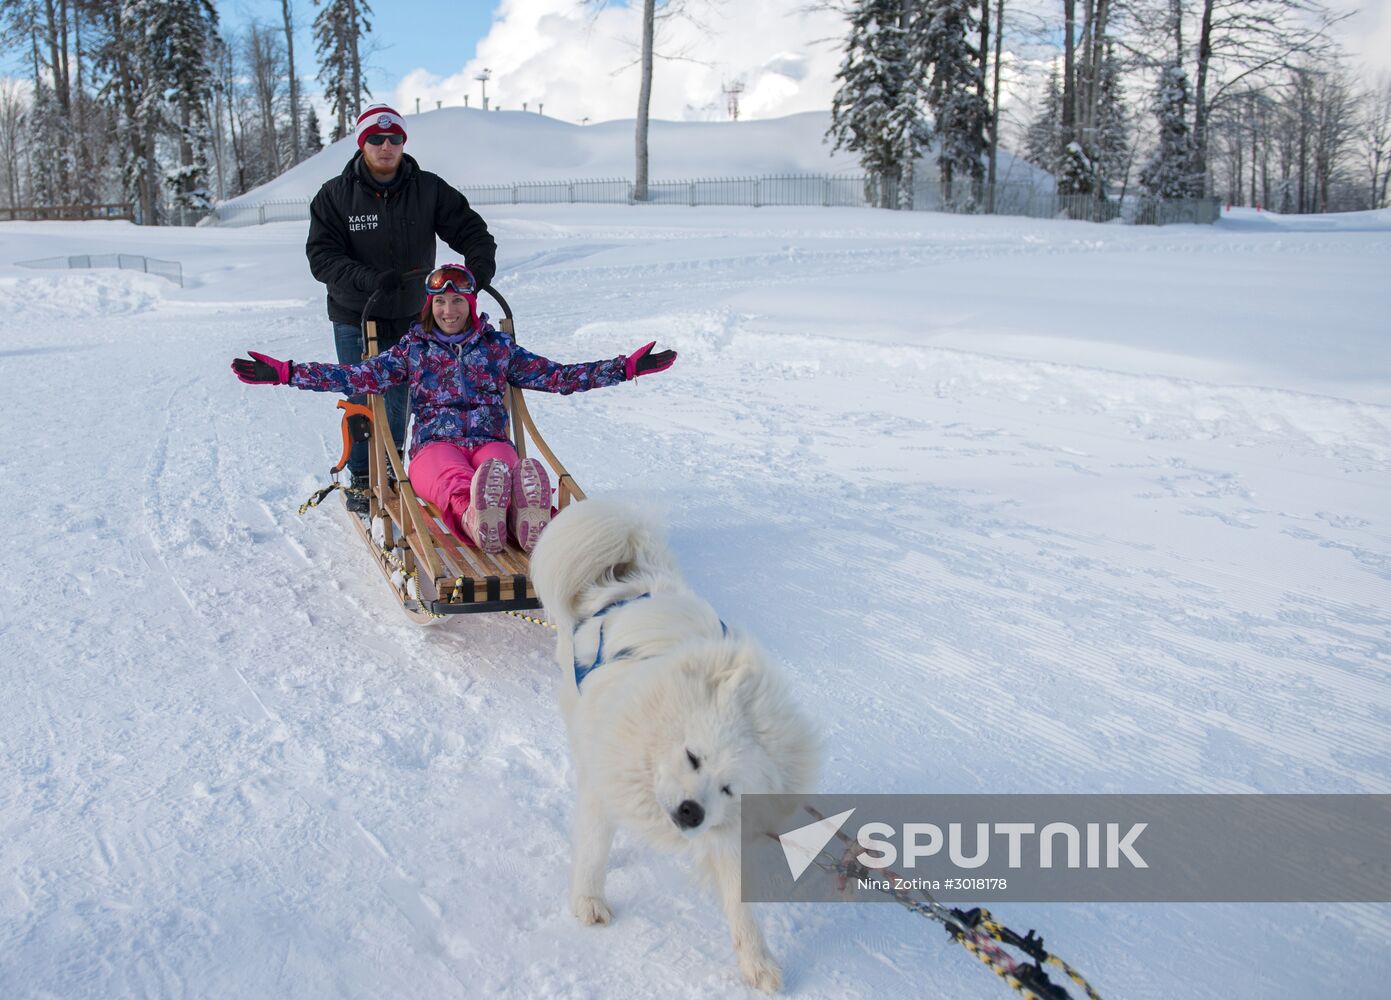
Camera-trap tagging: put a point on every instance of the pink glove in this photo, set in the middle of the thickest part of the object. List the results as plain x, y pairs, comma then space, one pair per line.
642, 362
262, 369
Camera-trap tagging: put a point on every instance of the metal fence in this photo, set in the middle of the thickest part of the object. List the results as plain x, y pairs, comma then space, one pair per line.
825, 190
170, 269
117, 210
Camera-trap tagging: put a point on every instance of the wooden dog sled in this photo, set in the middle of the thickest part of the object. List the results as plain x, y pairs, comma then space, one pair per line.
432, 573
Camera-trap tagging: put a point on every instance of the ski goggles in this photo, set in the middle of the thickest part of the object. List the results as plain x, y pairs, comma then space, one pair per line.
451, 278
376, 139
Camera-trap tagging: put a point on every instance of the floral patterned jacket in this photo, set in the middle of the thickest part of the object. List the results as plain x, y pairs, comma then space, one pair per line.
457, 391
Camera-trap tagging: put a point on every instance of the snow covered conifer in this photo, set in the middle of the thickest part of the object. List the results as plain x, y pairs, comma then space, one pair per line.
338, 31
1112, 137
876, 110
312, 140
943, 55
1169, 172
187, 32
49, 130
1076, 171
1043, 136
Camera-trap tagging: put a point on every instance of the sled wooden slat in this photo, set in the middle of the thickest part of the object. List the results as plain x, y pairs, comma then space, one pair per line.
509, 562
458, 553
454, 564
463, 561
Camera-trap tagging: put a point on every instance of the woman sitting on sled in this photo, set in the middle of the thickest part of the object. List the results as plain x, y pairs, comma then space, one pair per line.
458, 368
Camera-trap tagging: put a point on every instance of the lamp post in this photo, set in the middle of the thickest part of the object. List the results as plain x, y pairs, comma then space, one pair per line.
483, 79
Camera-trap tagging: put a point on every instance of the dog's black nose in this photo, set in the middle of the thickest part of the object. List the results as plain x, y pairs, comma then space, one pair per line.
689, 814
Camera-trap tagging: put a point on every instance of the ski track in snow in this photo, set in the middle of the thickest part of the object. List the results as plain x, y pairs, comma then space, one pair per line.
236, 769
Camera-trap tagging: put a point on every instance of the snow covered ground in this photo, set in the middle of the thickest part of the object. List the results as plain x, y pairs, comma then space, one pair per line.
1024, 506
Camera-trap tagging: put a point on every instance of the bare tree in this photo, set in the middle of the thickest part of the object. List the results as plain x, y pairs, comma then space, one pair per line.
287, 14
995, 105
14, 110
649, 19
1376, 140
653, 13
1084, 52
264, 56
1335, 125
1237, 45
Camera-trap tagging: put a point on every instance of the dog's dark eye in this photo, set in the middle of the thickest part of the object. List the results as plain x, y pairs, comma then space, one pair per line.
725, 789
695, 761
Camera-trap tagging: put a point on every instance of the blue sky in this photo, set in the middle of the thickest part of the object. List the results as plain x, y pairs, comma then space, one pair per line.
406, 34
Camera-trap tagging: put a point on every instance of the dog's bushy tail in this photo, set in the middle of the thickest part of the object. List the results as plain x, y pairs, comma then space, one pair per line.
591, 546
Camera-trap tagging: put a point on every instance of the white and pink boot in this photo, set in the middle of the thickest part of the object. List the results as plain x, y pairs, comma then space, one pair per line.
485, 519
531, 502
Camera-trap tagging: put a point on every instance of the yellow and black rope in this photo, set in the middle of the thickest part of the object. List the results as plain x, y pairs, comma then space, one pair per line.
528, 618
976, 930
1031, 946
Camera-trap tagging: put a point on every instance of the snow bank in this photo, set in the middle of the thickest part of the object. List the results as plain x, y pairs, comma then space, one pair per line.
467, 146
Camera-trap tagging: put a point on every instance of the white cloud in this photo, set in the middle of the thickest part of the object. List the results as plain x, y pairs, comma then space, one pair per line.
582, 64
1367, 33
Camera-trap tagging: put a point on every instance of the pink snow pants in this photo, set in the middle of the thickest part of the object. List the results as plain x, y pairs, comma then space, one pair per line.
442, 473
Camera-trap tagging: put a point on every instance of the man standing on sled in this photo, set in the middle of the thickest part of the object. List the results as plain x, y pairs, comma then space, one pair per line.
370, 226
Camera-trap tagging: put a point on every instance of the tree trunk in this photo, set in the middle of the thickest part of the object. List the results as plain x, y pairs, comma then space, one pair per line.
984, 58
1100, 22
55, 32
356, 60
294, 82
1255, 137
1069, 109
238, 145
981, 90
1086, 78
1303, 143
185, 159
995, 102
148, 184
66, 73
644, 101
1200, 109
85, 190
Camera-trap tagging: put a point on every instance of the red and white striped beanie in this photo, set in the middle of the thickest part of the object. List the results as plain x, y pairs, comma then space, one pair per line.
378, 118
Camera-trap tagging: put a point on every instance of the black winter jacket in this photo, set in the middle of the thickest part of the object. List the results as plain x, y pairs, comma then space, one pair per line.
358, 229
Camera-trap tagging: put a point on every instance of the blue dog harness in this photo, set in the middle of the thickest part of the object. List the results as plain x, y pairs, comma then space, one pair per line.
582, 670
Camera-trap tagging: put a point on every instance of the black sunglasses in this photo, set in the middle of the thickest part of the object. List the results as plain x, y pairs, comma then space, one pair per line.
395, 138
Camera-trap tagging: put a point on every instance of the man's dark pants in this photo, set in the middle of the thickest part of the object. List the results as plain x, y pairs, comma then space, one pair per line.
348, 339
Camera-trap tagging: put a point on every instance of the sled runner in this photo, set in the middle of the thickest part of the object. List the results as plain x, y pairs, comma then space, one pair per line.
433, 573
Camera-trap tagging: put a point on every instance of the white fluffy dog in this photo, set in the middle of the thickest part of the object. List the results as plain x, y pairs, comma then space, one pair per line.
671, 716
